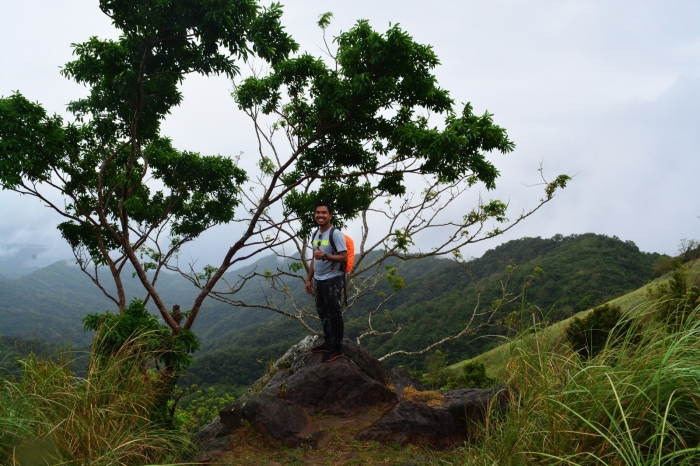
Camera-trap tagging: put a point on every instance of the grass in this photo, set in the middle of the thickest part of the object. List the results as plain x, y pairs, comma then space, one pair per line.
50, 416
634, 404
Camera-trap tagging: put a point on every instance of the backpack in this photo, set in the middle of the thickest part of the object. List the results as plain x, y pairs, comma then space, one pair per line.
345, 267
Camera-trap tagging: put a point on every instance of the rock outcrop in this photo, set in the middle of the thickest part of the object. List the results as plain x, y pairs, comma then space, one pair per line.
340, 388
279, 421
440, 421
279, 405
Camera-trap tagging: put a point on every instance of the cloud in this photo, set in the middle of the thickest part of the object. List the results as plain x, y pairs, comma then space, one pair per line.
605, 91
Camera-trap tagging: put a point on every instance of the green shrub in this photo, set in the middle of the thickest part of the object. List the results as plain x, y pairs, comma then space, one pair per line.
635, 403
161, 346
663, 265
438, 374
676, 298
589, 335
202, 406
473, 376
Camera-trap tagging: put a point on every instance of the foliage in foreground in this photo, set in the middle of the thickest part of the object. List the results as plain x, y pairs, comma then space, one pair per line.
50, 416
635, 403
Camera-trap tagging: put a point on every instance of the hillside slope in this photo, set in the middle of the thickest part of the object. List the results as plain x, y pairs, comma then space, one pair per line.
579, 271
496, 358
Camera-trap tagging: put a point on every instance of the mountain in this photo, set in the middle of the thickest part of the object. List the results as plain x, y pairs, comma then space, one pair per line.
496, 359
578, 271
49, 303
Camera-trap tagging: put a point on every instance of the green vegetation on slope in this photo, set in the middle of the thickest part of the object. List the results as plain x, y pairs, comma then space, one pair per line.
437, 300
496, 359
634, 403
50, 303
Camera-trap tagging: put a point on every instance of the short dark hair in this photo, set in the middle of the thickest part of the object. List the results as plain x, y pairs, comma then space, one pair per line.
324, 204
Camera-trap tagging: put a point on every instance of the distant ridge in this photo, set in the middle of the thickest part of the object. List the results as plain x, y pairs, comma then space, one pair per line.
579, 271
49, 303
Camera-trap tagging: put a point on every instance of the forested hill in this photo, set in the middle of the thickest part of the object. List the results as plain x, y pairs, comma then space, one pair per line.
578, 271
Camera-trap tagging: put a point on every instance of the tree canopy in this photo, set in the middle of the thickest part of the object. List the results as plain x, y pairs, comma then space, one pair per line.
365, 113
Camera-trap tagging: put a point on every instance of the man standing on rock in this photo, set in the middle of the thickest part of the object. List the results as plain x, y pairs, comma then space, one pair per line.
327, 272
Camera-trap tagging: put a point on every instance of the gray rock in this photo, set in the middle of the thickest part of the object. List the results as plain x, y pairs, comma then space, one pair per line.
453, 421
293, 358
400, 379
278, 421
338, 388
232, 415
414, 423
469, 406
212, 441
279, 403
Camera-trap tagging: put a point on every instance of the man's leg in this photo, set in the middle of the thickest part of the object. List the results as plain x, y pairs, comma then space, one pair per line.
322, 311
333, 326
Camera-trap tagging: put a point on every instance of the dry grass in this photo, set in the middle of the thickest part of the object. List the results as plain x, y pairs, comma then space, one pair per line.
428, 397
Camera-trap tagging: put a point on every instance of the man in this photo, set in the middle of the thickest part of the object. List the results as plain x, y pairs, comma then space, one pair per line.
327, 272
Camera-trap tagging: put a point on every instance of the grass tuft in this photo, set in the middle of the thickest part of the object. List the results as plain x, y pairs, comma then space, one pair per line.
49, 416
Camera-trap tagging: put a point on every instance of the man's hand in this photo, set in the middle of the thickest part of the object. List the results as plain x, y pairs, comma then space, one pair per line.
309, 287
318, 254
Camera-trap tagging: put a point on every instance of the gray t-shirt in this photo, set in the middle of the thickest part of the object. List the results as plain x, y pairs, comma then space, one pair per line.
323, 270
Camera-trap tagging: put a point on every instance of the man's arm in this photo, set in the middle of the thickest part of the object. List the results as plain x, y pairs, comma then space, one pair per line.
309, 278
341, 248
340, 257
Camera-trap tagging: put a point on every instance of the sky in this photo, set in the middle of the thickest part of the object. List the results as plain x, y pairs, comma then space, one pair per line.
607, 92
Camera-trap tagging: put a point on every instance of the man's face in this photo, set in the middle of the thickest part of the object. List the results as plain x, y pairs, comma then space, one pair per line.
322, 216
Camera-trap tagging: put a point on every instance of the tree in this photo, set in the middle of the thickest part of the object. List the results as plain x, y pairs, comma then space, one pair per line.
357, 129
354, 129
99, 164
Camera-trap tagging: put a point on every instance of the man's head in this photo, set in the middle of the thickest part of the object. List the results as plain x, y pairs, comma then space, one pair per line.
323, 214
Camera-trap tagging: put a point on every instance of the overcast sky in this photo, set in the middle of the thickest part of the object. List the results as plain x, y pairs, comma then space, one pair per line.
607, 91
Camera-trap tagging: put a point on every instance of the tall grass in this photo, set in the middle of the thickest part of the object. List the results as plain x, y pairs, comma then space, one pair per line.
49, 416
637, 403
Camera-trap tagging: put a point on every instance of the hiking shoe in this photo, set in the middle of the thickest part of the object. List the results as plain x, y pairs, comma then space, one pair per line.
323, 348
332, 356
